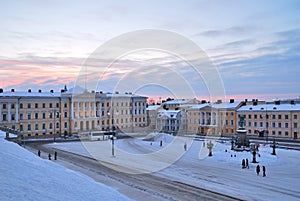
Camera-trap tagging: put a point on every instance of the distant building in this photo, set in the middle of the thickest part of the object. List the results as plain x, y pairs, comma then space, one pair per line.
47, 113
168, 121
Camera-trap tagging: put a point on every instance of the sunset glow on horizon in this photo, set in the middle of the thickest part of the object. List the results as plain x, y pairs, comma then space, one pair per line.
253, 44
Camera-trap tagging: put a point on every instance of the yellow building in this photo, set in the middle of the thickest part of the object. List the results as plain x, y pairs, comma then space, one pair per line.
278, 119
47, 113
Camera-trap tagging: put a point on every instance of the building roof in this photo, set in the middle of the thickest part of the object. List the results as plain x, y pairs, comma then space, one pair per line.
30, 94
178, 101
225, 105
270, 107
153, 107
168, 113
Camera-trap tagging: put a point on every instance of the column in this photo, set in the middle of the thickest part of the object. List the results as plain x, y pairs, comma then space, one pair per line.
95, 103
8, 112
83, 105
205, 118
78, 109
17, 112
72, 110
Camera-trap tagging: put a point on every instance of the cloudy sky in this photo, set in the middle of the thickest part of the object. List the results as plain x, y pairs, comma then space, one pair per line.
254, 45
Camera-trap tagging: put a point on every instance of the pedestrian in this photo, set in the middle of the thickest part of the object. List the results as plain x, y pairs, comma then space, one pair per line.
55, 155
264, 171
39, 153
161, 143
257, 169
185, 146
203, 144
49, 156
243, 163
247, 163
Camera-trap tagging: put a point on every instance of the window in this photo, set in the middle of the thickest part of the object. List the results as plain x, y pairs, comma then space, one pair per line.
13, 117
107, 104
273, 116
295, 116
279, 116
255, 116
21, 116
4, 106
249, 131
231, 122
267, 124
4, 117
295, 125
50, 126
28, 116
66, 124
261, 124
50, 115
36, 105
12, 106
249, 124
44, 126
255, 124
279, 125
273, 125
249, 116
28, 105
44, 115
57, 125
36, 115
65, 105
36, 127
279, 132
286, 133
273, 132
267, 116
286, 125
226, 122
66, 114
21, 105
21, 127
57, 104
50, 105
29, 127
286, 116
44, 105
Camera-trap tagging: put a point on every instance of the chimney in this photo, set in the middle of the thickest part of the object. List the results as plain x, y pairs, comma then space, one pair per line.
40, 91
93, 91
29, 90
117, 92
62, 90
231, 100
101, 92
254, 103
203, 101
51, 91
277, 102
219, 101
292, 102
246, 100
1, 90
12, 90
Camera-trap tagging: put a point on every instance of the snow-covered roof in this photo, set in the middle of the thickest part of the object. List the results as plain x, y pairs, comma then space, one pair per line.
199, 106
270, 107
178, 101
111, 95
168, 113
153, 107
225, 105
30, 94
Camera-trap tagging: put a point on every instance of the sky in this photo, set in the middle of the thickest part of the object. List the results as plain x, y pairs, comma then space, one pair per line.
254, 46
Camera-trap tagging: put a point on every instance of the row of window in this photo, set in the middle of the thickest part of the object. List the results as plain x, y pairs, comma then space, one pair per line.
279, 133
279, 124
36, 105
37, 127
36, 116
279, 116
88, 104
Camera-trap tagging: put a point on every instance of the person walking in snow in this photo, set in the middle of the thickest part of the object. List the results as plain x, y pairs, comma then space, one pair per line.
49, 156
264, 171
247, 163
243, 163
55, 155
185, 146
257, 169
39, 153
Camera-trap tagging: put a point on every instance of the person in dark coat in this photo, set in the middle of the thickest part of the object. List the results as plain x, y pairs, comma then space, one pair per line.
55, 155
247, 163
257, 169
39, 153
243, 163
49, 156
264, 171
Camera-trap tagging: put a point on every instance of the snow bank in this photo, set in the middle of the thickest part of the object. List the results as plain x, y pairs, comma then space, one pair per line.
24, 176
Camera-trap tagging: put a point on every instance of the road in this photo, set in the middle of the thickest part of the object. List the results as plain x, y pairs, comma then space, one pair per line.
139, 187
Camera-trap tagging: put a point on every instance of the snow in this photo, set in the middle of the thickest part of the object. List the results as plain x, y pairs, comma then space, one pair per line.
270, 107
24, 176
221, 172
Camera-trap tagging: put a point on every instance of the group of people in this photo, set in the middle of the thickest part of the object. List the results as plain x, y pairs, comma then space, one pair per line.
49, 155
245, 163
263, 170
